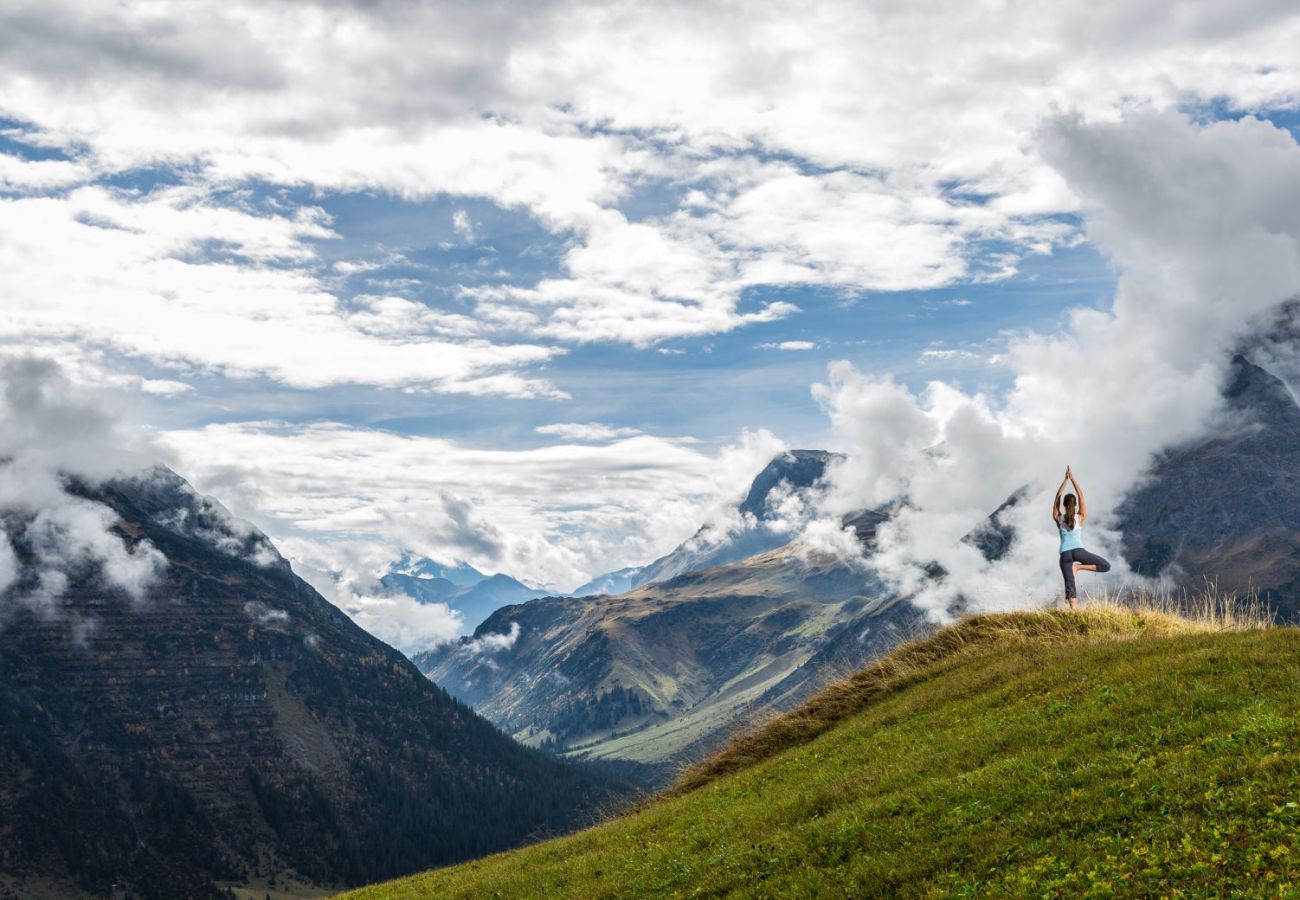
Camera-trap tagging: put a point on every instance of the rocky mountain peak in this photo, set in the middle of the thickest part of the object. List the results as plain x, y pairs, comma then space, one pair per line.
1253, 389
797, 468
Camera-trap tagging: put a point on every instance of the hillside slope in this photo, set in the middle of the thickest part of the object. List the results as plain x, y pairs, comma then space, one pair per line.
662, 672
233, 724
1025, 754
654, 674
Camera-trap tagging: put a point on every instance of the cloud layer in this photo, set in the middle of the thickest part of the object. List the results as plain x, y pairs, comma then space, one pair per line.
353, 499
863, 146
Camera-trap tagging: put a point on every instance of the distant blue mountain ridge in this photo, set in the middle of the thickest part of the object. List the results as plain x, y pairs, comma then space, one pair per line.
461, 587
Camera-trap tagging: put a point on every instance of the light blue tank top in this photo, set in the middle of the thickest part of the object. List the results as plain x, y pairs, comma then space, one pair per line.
1070, 540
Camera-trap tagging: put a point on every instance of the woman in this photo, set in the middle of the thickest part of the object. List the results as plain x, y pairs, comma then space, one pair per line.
1074, 558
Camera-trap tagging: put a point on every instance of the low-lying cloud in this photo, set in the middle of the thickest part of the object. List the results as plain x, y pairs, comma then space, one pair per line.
1202, 222
351, 500
49, 433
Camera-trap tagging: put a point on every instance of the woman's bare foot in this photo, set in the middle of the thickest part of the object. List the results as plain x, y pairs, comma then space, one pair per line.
1077, 567
1074, 604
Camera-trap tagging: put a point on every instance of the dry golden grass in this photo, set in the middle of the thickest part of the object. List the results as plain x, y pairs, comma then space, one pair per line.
1127, 615
1207, 609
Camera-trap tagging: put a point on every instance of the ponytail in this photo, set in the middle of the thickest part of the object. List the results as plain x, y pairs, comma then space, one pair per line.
1069, 512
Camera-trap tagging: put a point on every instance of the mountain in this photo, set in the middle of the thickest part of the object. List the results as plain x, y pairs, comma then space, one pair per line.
791, 472
233, 725
475, 599
420, 589
1227, 506
660, 672
1106, 752
461, 575
663, 672
616, 582
1224, 507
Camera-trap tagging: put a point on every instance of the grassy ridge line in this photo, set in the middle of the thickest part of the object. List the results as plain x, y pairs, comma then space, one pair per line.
1115, 755
920, 659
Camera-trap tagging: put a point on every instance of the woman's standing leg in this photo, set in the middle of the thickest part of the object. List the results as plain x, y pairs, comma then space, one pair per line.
1067, 572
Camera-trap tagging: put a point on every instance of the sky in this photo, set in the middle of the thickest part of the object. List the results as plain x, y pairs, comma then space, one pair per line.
541, 286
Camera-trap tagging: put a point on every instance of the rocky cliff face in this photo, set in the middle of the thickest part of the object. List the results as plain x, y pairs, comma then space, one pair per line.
1227, 507
233, 722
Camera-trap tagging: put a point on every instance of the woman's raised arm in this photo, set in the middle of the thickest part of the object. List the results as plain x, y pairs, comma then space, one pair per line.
1056, 504
1083, 504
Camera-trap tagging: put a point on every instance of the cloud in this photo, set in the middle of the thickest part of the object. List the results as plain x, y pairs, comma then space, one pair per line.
1200, 221
462, 225
139, 285
788, 345
403, 623
51, 424
950, 356
590, 431
632, 282
783, 154
49, 432
556, 514
9, 565
492, 643
264, 614
400, 621
346, 574
18, 175
164, 387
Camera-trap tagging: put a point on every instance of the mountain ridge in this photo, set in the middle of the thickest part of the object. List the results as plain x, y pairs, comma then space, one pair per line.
474, 599
662, 672
1200, 511
233, 722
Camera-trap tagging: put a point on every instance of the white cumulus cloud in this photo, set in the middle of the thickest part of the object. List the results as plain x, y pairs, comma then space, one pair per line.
1201, 219
555, 515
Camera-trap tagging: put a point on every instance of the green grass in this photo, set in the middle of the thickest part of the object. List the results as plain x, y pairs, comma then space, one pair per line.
1099, 753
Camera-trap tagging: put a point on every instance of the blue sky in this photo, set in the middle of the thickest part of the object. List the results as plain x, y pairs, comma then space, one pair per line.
391, 243
709, 387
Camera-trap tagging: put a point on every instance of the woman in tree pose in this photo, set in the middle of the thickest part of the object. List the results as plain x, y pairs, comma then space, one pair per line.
1074, 558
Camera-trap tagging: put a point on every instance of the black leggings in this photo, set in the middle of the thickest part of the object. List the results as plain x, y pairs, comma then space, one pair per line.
1069, 558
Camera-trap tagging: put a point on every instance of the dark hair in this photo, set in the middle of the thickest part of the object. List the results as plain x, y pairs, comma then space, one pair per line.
1069, 512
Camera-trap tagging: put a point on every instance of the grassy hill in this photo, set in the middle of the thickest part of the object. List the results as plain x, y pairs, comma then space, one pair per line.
1054, 753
